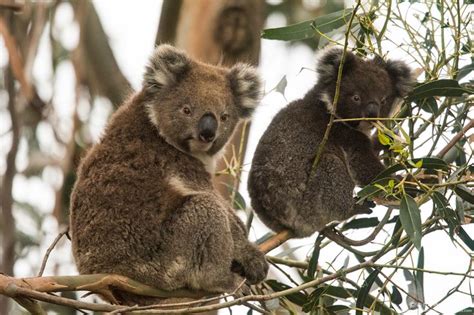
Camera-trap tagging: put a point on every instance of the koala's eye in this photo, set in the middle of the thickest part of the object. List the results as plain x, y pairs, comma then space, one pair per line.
224, 117
186, 110
356, 98
384, 101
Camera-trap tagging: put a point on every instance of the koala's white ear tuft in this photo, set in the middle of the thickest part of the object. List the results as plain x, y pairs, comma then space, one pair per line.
247, 88
402, 77
165, 68
329, 60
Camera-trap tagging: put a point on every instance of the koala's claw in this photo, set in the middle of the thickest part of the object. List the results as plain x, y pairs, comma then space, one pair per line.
253, 267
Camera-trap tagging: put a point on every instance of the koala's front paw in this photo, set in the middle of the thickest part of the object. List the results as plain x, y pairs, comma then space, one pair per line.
251, 266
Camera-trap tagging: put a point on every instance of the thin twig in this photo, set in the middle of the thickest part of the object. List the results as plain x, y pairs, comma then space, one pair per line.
336, 94
335, 234
49, 250
16, 61
455, 139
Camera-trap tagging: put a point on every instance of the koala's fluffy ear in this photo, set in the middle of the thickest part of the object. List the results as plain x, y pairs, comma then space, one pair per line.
246, 87
401, 75
329, 60
166, 66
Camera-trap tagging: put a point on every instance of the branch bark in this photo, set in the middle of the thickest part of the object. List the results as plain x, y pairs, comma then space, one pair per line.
100, 71
169, 18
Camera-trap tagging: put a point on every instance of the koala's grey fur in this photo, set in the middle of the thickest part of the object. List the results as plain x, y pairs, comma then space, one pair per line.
144, 205
283, 193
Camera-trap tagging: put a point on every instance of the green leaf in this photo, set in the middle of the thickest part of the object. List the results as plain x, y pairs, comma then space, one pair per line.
429, 105
466, 311
419, 275
308, 29
427, 163
464, 71
313, 299
297, 31
443, 87
364, 291
337, 308
344, 293
395, 238
361, 223
239, 201
443, 209
371, 190
440, 201
281, 86
298, 298
464, 192
465, 238
411, 220
383, 138
396, 296
313, 262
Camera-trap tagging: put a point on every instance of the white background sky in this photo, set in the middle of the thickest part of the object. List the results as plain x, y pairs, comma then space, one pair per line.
131, 29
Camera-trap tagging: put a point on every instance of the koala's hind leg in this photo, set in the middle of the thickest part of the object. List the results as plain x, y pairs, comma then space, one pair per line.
198, 246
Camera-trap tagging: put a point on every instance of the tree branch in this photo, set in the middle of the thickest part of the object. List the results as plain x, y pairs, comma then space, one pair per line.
6, 200
169, 18
100, 71
35, 288
455, 139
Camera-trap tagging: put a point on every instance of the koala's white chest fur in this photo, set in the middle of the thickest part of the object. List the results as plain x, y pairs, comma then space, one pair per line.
209, 161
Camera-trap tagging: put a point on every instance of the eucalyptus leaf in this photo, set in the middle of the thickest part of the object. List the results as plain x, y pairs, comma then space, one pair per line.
361, 223
298, 298
364, 291
442, 87
466, 238
313, 262
464, 71
419, 276
411, 220
308, 29
466, 311
396, 296
465, 193
426, 163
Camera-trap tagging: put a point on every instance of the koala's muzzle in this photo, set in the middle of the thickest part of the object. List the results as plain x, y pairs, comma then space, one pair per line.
207, 127
372, 110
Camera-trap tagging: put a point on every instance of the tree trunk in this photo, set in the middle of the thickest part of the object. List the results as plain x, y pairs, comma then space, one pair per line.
8, 221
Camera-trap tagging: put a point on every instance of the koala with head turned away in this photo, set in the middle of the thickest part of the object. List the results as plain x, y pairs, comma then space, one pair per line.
144, 205
285, 194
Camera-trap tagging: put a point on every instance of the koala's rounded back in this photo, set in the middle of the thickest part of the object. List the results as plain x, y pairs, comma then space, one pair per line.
286, 192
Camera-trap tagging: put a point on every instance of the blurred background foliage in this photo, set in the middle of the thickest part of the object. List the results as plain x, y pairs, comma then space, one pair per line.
41, 143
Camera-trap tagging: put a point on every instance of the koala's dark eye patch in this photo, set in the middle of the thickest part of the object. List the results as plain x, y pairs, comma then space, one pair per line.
383, 101
224, 117
356, 98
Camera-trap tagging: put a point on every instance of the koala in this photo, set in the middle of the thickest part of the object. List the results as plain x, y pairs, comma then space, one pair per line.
144, 205
284, 193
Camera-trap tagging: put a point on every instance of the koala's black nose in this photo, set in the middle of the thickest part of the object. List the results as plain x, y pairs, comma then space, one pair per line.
207, 127
372, 110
